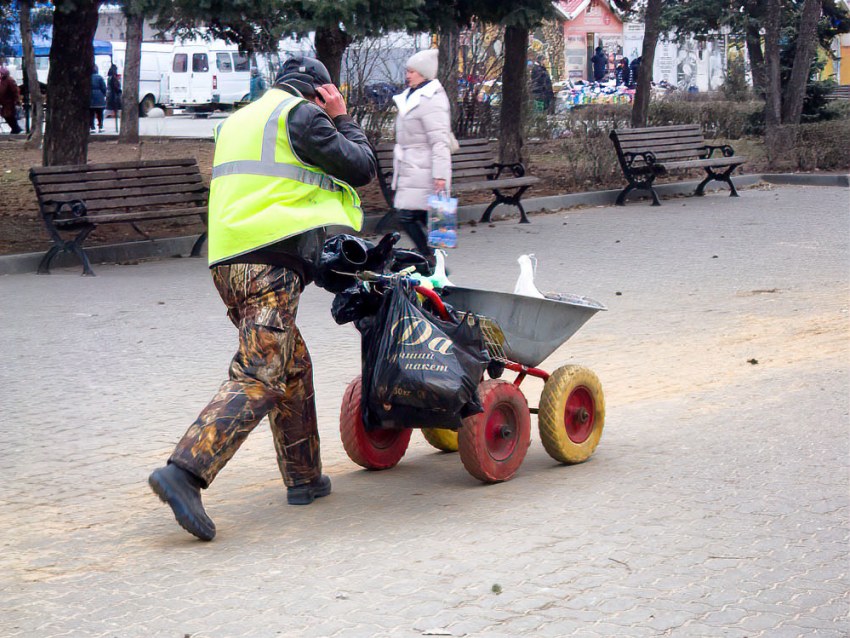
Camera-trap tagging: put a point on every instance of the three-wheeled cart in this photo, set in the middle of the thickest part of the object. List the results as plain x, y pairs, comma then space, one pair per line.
519, 333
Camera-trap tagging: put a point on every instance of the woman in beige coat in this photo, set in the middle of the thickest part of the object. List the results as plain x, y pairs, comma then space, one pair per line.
422, 161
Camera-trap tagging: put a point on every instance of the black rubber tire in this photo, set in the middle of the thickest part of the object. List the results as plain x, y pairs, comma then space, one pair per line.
567, 434
146, 105
371, 450
490, 458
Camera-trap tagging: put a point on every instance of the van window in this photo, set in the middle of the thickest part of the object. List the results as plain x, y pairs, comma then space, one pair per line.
241, 62
181, 63
223, 62
200, 64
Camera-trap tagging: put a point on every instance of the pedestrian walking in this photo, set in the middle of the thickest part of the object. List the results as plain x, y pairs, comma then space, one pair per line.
258, 85
10, 97
98, 99
284, 169
113, 93
541, 84
600, 64
422, 161
623, 72
634, 69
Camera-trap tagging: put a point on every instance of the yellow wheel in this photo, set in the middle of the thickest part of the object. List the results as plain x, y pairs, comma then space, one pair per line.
445, 440
572, 414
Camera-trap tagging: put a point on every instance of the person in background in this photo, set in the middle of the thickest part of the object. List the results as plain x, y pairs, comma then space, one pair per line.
98, 99
600, 64
623, 72
113, 93
258, 85
541, 84
422, 160
284, 169
634, 69
10, 97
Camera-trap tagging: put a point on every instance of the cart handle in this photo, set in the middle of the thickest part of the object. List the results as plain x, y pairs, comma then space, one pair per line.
434, 298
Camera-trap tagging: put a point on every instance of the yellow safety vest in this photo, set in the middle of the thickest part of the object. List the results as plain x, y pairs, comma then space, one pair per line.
261, 193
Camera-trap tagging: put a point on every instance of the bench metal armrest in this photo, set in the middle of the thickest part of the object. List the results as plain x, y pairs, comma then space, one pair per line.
648, 158
516, 168
727, 150
65, 209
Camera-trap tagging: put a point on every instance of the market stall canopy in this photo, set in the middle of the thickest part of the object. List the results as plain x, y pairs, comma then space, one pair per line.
41, 43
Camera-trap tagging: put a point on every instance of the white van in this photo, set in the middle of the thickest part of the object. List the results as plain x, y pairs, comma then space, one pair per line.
207, 75
154, 72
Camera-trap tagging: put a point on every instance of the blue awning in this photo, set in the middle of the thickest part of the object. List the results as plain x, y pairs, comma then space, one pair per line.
41, 43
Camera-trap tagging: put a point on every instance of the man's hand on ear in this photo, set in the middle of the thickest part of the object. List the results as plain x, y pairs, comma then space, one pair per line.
334, 102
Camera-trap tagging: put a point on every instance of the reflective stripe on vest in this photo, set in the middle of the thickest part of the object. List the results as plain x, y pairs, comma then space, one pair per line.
267, 165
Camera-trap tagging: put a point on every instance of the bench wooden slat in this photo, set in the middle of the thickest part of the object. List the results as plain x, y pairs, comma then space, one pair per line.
141, 202
470, 172
717, 161
117, 174
657, 130
511, 182
198, 189
141, 215
91, 168
160, 180
648, 145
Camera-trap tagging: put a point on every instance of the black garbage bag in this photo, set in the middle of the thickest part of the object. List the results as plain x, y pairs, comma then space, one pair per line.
378, 256
418, 370
341, 256
355, 303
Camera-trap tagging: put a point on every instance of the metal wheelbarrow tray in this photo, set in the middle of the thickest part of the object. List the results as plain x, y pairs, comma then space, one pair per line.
533, 328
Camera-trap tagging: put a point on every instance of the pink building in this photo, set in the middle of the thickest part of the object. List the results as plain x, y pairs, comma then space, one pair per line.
587, 25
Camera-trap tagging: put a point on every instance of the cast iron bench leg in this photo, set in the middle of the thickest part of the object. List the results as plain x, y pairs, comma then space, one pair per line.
199, 243
510, 200
621, 198
61, 246
720, 177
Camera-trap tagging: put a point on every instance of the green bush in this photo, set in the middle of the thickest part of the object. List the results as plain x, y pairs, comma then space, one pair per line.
823, 146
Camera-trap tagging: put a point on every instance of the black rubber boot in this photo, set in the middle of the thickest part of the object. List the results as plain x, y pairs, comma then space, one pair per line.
182, 491
307, 493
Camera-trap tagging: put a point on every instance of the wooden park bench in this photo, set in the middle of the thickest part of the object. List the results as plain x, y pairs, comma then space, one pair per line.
79, 198
646, 153
475, 167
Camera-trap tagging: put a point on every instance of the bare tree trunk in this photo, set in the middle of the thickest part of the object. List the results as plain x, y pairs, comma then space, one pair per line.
130, 95
513, 94
640, 108
775, 137
807, 41
66, 139
330, 47
36, 98
448, 75
753, 39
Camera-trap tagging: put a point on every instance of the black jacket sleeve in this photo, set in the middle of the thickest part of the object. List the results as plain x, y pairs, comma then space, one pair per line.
339, 148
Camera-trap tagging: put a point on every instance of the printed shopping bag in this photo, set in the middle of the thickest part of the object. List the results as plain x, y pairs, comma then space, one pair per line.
442, 221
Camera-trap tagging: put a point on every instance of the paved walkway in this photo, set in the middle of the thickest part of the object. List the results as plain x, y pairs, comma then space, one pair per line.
716, 504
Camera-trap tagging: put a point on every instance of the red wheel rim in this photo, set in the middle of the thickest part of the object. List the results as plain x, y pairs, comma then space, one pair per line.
382, 439
501, 433
579, 415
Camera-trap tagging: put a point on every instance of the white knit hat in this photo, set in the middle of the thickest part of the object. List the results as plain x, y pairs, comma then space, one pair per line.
425, 63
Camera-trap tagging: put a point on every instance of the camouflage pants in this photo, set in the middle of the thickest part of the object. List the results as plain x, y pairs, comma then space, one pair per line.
271, 374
